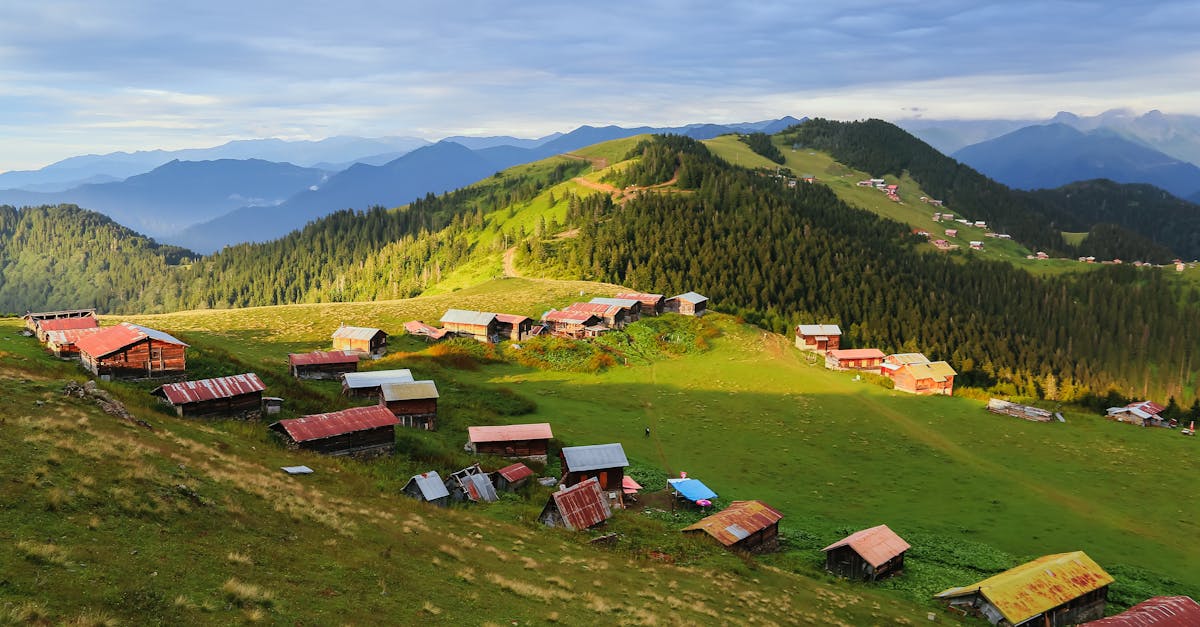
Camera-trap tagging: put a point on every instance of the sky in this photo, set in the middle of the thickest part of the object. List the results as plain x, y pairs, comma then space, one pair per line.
105, 75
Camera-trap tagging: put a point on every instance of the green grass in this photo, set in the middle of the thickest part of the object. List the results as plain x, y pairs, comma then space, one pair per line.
1074, 239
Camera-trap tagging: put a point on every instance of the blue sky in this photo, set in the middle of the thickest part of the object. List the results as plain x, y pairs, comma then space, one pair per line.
99, 76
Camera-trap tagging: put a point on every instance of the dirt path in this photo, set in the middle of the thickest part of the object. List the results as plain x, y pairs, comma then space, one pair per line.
597, 162
510, 265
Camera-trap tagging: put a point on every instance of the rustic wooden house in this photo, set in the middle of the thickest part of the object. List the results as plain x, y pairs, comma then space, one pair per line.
751, 526
525, 441
578, 507
62, 343
428, 487
819, 338
322, 365
238, 396
652, 304
513, 327
1140, 413
479, 325
895, 360
1054, 590
604, 462
628, 309
572, 324
471, 484
513, 477
865, 359
868, 554
611, 316
420, 329
42, 327
689, 304
363, 340
413, 403
368, 384
1178, 611
129, 351
357, 432
930, 377
33, 318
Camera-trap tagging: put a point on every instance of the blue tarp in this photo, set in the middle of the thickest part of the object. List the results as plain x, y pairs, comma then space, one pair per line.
692, 489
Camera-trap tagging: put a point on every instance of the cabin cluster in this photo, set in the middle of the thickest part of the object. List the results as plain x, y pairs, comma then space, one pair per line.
910, 372
891, 190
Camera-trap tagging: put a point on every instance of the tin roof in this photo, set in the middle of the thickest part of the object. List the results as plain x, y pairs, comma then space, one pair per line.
1034, 587
465, 316
356, 333
876, 545
907, 358
1150, 407
416, 327
320, 426
818, 329
515, 472
430, 484
1156, 612
856, 353
690, 297
594, 457
322, 357
112, 339
479, 488
582, 505
408, 390
738, 521
568, 316
376, 378
629, 486
938, 371
617, 302
69, 336
598, 309
692, 489
210, 389
646, 299
511, 318
510, 433
65, 324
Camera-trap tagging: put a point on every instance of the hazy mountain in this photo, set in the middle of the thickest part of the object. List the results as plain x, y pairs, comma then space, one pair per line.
1056, 154
949, 136
476, 143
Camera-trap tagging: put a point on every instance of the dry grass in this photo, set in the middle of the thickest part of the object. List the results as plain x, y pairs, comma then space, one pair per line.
49, 554
92, 619
235, 557
247, 594
528, 590
30, 613
430, 609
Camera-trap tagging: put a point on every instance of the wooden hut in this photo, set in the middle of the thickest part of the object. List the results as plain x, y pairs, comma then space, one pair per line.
513, 476
513, 327
526, 441
751, 526
1054, 591
413, 403
428, 487
322, 365
1156, 612
866, 359
578, 507
239, 396
931, 377
604, 462
33, 318
652, 304
819, 338
62, 343
129, 351
688, 304
367, 384
471, 484
868, 554
358, 432
42, 327
479, 325
572, 324
363, 340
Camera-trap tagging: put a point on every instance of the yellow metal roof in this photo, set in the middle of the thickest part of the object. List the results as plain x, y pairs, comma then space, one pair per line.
937, 370
1035, 587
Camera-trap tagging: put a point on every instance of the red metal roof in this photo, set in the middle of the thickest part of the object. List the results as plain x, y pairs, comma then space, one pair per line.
320, 357
1149, 407
510, 433
856, 353
318, 426
211, 389
511, 318
598, 309
1156, 612
738, 521
629, 486
69, 336
876, 545
647, 299
515, 472
567, 315
582, 505
110, 340
66, 324
416, 327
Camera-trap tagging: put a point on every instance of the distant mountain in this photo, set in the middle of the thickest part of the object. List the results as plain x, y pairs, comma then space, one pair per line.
476, 143
1052, 155
949, 136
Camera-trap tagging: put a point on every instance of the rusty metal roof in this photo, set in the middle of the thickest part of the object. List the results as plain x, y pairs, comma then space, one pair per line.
582, 505
1150, 407
594, 457
818, 329
466, 316
416, 327
356, 333
321, 357
409, 390
430, 484
568, 316
690, 297
1034, 587
112, 339
515, 472
479, 488
856, 353
210, 389
70, 336
738, 521
876, 545
510, 433
1156, 612
511, 318
320, 426
376, 378
646, 299
599, 309
66, 324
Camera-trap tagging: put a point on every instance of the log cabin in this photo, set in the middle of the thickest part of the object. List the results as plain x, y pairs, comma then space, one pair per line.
525, 441
688, 304
751, 526
578, 507
865, 359
363, 340
513, 327
818, 338
413, 403
572, 324
652, 304
42, 327
479, 325
868, 554
129, 351
931, 377
611, 316
356, 432
238, 396
367, 384
604, 462
323, 365
62, 343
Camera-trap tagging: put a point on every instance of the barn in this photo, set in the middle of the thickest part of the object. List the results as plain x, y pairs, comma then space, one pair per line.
865, 359
33, 318
64, 324
1156, 612
513, 327
363, 340
819, 338
689, 304
868, 554
413, 403
751, 526
62, 343
524, 441
357, 432
931, 377
428, 487
129, 351
572, 324
652, 304
604, 462
513, 476
578, 507
474, 324
367, 384
238, 396
1054, 590
322, 365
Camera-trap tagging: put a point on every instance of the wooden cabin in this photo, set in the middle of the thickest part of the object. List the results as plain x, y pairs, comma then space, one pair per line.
513, 327
356, 432
1177, 611
581, 506
628, 309
42, 327
33, 318
688, 304
818, 338
868, 554
652, 304
611, 316
62, 343
526, 441
751, 526
513, 477
367, 384
931, 377
428, 487
471, 484
604, 462
1140, 413
322, 365
479, 325
865, 359
1054, 591
572, 324
129, 351
363, 340
413, 403
238, 396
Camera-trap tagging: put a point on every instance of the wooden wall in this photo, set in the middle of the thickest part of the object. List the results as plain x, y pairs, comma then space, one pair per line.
144, 359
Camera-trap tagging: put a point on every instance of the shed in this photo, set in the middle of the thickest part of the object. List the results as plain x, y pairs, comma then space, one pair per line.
472, 484
525, 441
1141, 413
428, 487
866, 359
34, 317
367, 384
578, 507
64, 324
513, 476
62, 343
868, 554
480, 325
513, 327
322, 365
687, 304
357, 432
652, 304
1156, 612
691, 490
819, 338
933, 377
365, 340
1055, 590
745, 526
413, 403
129, 351
604, 462
238, 396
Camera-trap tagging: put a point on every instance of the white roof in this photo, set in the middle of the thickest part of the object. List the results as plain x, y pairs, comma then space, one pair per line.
819, 329
356, 333
619, 302
690, 297
374, 378
465, 316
